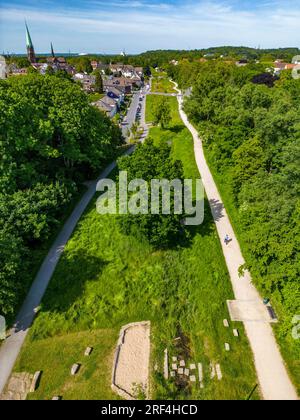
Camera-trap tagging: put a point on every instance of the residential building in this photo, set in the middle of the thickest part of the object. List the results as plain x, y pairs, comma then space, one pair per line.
280, 66
116, 94
120, 82
107, 105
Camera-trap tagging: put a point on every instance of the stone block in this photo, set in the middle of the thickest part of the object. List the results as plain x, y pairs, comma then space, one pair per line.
75, 368
218, 371
88, 351
236, 333
200, 372
35, 381
225, 323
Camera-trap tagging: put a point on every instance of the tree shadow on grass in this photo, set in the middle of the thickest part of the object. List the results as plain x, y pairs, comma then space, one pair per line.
176, 128
204, 229
68, 283
74, 270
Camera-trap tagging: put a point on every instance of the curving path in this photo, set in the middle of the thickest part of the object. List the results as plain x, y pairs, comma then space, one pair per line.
10, 349
274, 381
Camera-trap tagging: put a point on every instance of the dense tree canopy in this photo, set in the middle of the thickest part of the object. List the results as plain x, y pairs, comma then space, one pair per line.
51, 138
151, 162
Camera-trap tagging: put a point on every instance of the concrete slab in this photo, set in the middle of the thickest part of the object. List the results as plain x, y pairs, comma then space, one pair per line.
249, 311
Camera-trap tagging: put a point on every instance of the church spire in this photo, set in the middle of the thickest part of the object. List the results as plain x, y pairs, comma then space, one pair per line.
29, 46
52, 51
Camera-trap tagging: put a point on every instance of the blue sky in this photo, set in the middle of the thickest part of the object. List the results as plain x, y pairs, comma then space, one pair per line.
139, 25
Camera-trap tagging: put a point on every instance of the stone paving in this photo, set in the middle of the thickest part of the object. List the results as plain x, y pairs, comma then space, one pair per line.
18, 387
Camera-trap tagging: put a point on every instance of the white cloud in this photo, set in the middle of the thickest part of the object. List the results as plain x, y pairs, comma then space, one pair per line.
141, 26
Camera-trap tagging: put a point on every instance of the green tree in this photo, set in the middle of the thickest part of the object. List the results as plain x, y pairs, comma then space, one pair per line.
98, 82
150, 162
162, 113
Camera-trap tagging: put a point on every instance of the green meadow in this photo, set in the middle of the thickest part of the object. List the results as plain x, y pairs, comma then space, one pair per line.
161, 83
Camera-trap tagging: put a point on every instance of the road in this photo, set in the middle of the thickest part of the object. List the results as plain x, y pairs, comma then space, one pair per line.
131, 113
274, 381
10, 349
162, 94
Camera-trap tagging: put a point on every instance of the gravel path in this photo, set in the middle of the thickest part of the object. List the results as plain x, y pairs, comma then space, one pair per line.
274, 381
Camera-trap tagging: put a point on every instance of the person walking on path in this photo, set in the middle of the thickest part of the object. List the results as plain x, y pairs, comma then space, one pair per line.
227, 239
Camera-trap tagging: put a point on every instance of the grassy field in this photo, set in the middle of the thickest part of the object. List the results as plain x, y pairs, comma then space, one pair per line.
176, 120
57, 357
106, 279
161, 84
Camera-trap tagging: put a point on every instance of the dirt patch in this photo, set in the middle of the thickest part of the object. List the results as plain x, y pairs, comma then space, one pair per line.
130, 378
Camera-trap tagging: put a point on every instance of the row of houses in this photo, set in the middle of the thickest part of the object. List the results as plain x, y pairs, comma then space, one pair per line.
116, 87
55, 63
126, 85
124, 70
280, 66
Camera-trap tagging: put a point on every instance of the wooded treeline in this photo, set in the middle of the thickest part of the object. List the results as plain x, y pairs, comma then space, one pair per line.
251, 134
51, 139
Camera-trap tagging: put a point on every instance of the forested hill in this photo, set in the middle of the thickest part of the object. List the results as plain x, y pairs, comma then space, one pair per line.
163, 57
251, 134
51, 139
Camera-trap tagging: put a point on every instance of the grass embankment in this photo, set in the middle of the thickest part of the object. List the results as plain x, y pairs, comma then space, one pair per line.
106, 279
288, 345
161, 84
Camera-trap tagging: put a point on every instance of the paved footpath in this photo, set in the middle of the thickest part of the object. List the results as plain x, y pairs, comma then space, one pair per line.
274, 381
10, 349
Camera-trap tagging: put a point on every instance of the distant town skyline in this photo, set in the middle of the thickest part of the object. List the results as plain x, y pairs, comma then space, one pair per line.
96, 26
